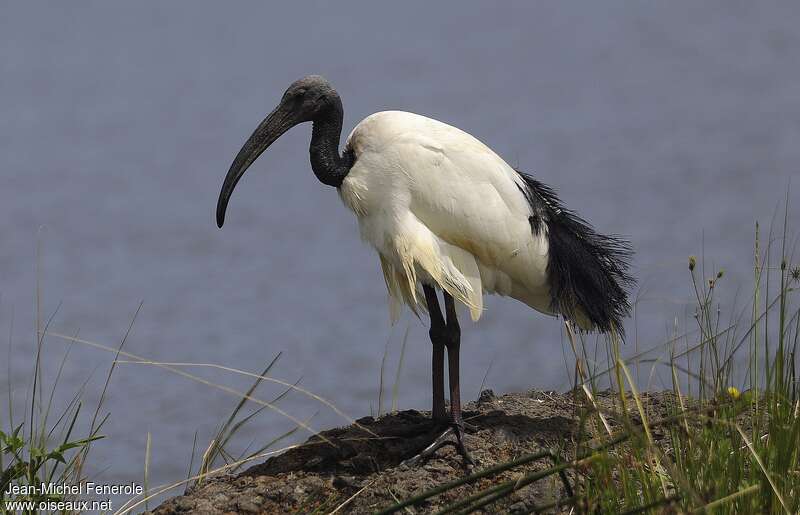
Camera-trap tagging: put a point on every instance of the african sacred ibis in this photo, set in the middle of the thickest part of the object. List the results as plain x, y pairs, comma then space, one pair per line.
444, 211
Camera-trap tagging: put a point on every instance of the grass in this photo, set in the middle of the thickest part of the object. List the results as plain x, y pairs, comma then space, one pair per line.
217, 458
398, 372
44, 447
51, 453
720, 447
217, 449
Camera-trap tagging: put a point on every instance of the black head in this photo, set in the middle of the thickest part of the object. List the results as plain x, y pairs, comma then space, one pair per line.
308, 97
305, 100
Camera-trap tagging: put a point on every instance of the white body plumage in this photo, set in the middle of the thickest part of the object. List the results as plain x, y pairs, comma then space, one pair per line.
442, 208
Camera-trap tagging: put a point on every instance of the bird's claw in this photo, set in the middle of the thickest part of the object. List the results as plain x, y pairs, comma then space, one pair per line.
460, 447
443, 440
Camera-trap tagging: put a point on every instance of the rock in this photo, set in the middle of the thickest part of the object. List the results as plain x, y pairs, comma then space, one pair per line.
486, 395
345, 482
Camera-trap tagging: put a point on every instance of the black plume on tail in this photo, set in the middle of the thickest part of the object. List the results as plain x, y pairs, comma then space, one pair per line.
585, 270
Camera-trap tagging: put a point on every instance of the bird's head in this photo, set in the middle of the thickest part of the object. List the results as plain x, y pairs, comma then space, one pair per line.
305, 100
308, 97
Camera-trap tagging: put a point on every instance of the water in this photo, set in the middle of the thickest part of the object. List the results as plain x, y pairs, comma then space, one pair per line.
675, 124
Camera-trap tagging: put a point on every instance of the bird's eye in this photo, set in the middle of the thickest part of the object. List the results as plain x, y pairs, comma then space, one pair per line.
300, 93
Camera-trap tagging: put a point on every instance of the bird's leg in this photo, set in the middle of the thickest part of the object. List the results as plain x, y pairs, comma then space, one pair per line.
453, 344
444, 334
437, 333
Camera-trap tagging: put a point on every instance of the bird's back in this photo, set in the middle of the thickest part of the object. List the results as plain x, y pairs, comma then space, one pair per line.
440, 166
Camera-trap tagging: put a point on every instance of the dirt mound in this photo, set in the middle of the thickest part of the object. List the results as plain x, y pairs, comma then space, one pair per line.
363, 473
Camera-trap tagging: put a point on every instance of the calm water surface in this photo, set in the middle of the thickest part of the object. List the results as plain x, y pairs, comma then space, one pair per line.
676, 124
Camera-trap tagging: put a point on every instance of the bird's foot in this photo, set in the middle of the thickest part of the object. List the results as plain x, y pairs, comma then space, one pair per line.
456, 429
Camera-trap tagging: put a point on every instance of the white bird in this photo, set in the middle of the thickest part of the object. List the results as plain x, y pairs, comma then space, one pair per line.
445, 212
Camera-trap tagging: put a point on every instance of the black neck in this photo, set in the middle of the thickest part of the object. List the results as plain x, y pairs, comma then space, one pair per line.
329, 167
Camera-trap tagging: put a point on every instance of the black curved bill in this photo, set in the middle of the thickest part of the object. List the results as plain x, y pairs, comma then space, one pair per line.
273, 126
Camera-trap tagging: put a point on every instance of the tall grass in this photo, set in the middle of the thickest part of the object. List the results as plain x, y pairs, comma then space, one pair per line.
728, 449
43, 447
397, 375
218, 450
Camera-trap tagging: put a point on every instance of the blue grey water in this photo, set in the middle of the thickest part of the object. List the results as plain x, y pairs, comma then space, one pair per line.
674, 123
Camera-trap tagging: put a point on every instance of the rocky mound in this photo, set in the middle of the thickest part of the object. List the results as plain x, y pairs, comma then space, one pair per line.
364, 473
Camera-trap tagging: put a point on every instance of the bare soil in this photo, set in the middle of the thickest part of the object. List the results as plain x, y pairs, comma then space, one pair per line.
362, 473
